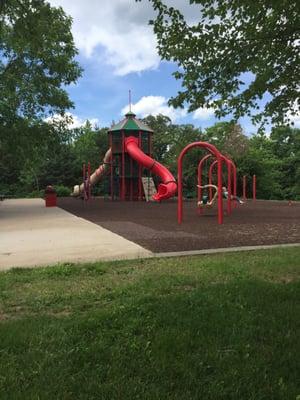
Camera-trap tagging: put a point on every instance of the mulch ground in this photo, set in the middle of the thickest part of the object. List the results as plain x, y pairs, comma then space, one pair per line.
154, 225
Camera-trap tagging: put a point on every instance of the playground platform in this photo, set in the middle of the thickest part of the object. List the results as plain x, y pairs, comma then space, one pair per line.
31, 234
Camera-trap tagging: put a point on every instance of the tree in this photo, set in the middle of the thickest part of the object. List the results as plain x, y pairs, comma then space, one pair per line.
36, 59
90, 145
234, 38
228, 138
286, 146
163, 135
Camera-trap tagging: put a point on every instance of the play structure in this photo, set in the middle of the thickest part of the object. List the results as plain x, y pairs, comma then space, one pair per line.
231, 178
128, 163
89, 180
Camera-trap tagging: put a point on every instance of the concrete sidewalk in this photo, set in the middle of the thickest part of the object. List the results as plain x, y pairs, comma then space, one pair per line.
33, 235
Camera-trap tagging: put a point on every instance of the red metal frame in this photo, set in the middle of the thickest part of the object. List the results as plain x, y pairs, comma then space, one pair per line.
210, 172
123, 167
200, 167
86, 175
89, 180
111, 167
83, 179
213, 150
231, 169
140, 169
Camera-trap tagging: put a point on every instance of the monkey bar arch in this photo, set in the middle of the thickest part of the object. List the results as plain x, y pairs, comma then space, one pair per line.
199, 179
231, 170
228, 164
215, 152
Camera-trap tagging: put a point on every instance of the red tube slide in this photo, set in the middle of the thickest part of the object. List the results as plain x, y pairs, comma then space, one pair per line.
168, 187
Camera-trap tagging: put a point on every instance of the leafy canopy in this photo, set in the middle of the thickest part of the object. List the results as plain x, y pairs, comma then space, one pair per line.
36, 59
233, 38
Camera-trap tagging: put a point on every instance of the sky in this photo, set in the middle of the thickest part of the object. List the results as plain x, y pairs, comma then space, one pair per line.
117, 50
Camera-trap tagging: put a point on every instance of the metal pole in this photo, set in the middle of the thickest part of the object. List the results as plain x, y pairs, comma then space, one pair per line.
123, 167
111, 167
228, 186
220, 199
210, 178
212, 149
199, 180
89, 180
84, 180
179, 187
140, 170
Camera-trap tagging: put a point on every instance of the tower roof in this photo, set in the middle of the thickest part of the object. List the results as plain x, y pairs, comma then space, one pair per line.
130, 123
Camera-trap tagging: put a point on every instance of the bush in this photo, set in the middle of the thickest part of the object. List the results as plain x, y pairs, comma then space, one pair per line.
62, 191
35, 194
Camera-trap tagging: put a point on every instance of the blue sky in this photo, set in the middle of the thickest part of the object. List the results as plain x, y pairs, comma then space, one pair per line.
117, 50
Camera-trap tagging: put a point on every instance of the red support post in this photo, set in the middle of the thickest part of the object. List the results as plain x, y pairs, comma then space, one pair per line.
123, 167
234, 180
254, 187
228, 185
84, 180
140, 170
230, 167
210, 172
212, 149
220, 196
199, 180
89, 180
111, 168
244, 187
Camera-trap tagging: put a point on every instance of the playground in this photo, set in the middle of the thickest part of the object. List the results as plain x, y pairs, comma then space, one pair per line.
158, 217
155, 227
138, 217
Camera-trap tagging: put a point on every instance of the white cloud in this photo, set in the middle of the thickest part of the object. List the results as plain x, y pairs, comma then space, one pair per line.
203, 113
118, 29
116, 32
73, 121
155, 105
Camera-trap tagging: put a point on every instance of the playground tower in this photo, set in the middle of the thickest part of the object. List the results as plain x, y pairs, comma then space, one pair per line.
125, 172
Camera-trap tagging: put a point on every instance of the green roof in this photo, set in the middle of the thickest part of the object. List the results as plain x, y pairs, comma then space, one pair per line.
130, 123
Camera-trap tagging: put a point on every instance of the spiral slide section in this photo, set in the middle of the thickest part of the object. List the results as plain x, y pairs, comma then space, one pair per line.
168, 187
96, 176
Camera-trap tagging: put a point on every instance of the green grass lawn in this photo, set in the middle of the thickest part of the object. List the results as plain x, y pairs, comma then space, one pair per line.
205, 327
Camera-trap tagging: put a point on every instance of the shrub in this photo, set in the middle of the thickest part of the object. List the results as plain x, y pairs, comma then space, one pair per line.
35, 194
62, 191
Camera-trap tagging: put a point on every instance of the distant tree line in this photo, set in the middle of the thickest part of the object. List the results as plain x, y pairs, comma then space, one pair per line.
37, 62
58, 159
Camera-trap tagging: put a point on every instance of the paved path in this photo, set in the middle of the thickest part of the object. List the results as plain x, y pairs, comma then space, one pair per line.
33, 235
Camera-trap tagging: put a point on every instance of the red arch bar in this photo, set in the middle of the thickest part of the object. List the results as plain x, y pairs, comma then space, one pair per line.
228, 164
231, 168
213, 150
